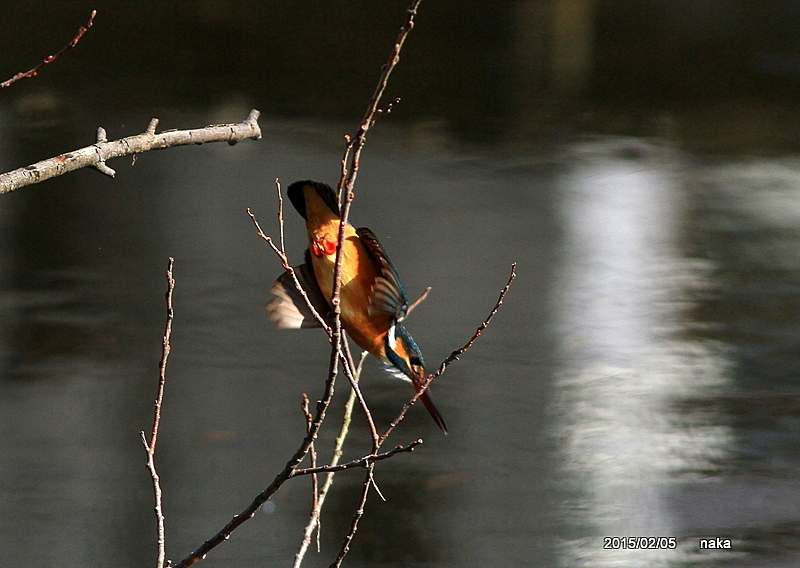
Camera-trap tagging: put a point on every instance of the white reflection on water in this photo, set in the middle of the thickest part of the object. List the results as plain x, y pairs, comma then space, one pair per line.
620, 300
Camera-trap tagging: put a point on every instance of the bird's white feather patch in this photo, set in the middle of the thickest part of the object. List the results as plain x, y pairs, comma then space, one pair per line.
395, 372
391, 339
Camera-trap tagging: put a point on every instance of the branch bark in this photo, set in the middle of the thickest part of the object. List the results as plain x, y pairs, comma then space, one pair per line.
97, 154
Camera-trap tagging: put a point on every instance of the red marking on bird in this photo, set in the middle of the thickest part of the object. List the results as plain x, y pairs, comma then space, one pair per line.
323, 246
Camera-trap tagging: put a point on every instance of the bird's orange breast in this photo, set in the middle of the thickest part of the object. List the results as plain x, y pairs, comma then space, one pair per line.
358, 273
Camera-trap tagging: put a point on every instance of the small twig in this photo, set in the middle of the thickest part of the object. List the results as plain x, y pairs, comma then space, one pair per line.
375, 486
312, 452
50, 58
101, 164
150, 447
458, 352
388, 108
360, 462
359, 512
98, 154
356, 145
418, 300
453, 356
314, 521
348, 366
280, 214
348, 146
288, 267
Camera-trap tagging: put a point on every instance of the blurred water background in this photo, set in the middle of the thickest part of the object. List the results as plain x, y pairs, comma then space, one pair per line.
637, 158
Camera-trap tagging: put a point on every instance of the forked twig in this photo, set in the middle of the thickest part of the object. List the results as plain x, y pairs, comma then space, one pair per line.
50, 58
314, 521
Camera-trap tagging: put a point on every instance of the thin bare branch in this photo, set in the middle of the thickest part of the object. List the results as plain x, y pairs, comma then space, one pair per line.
348, 146
458, 352
357, 514
347, 367
360, 462
372, 108
280, 213
312, 452
288, 267
314, 521
97, 154
346, 183
453, 356
418, 300
50, 58
150, 447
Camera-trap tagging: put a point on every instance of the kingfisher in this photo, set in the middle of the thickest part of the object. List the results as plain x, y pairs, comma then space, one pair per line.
373, 301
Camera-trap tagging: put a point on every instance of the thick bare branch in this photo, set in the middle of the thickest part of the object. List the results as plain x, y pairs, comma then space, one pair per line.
97, 154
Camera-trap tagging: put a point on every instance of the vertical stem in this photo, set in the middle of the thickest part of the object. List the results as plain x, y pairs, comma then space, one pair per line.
150, 446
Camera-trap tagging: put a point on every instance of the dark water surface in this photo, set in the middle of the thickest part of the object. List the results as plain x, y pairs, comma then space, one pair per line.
641, 379
638, 382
